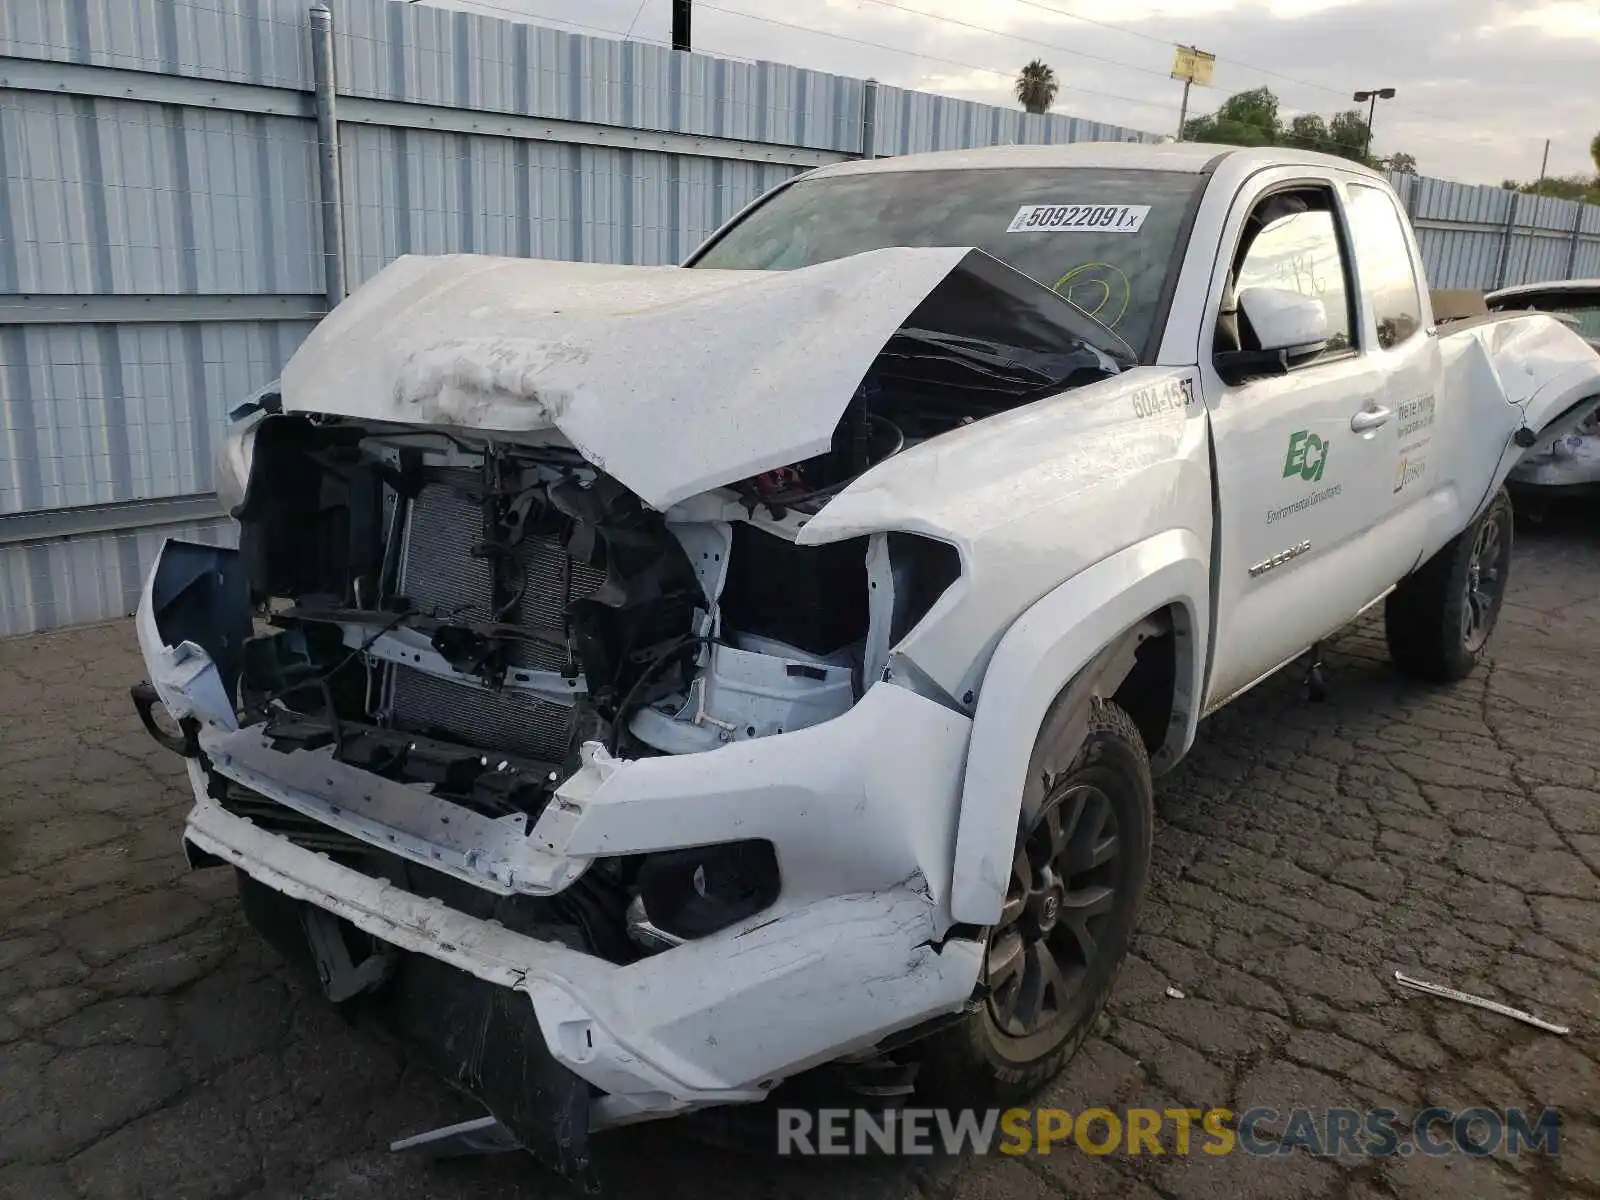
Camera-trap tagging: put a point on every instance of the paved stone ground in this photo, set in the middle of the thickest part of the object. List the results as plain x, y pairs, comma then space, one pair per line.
149, 1047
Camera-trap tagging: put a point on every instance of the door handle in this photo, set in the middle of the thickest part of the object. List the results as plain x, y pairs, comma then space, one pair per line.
1369, 419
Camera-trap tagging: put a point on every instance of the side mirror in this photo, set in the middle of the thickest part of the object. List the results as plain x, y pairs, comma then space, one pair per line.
1289, 328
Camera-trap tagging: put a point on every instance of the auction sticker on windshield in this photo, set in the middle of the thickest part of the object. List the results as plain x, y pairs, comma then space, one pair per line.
1079, 218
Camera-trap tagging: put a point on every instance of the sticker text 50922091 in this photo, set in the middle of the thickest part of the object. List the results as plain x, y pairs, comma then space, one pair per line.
1079, 218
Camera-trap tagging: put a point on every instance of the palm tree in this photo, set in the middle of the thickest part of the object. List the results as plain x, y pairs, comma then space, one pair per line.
1037, 86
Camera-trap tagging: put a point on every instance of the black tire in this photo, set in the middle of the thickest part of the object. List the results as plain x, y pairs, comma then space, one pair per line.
1440, 618
989, 1057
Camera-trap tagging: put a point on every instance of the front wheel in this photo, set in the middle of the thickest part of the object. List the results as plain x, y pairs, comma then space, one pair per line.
1440, 618
1077, 880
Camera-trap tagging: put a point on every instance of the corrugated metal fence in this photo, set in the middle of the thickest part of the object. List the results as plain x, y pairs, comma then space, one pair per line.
1485, 237
161, 233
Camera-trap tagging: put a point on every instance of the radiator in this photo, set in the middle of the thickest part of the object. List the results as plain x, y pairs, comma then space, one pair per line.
439, 574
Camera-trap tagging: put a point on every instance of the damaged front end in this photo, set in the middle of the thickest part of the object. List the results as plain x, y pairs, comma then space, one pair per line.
646, 781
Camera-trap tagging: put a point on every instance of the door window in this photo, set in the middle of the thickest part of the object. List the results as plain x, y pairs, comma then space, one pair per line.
1383, 258
1298, 249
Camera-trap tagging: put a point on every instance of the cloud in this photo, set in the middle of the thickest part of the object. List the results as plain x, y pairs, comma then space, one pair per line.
1481, 83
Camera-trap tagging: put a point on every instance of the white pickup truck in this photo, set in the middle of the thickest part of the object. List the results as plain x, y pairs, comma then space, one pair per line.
646, 684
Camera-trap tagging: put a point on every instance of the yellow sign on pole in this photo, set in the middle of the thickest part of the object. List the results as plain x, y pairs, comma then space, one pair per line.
1192, 66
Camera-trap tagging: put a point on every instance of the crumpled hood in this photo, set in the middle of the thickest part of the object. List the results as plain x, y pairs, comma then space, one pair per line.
672, 380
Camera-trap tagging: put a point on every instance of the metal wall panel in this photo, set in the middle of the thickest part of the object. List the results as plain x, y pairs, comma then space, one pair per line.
1443, 201
96, 414
246, 41
431, 55
1462, 231
912, 122
109, 196
1535, 256
44, 585
415, 192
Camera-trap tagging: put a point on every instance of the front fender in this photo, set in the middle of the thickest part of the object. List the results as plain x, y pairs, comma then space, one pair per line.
1043, 651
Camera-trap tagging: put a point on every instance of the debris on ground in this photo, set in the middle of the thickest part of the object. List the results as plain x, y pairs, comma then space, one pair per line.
1494, 1006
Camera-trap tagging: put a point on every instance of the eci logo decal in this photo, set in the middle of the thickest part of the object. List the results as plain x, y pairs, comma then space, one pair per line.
1308, 455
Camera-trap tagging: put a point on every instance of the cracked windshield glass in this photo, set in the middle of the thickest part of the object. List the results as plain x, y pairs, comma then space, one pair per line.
1105, 240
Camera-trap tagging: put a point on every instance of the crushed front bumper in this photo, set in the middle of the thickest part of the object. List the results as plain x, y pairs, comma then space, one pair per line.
861, 812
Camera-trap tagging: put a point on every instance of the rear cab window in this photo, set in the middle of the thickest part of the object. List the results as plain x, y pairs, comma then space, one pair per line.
1383, 263
1108, 241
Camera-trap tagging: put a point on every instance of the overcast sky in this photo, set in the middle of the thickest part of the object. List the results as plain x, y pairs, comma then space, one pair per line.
1481, 83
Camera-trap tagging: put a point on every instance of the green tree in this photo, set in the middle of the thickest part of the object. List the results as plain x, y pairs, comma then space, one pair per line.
1201, 129
1308, 132
1251, 119
1565, 187
1347, 134
1246, 119
1594, 151
1037, 86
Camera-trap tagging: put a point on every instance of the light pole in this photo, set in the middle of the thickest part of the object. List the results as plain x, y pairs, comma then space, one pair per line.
1374, 96
680, 24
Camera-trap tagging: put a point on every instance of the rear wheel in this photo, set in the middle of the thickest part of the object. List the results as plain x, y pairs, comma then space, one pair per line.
1077, 880
1439, 619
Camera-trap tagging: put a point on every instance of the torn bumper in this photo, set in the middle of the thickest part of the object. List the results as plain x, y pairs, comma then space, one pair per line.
861, 812
716, 1021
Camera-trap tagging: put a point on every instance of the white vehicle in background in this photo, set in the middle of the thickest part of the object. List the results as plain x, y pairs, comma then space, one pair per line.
1568, 464
646, 684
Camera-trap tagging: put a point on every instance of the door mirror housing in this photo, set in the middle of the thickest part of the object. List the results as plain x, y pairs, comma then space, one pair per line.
1289, 329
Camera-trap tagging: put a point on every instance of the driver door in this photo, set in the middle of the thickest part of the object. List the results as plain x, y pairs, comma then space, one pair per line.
1301, 472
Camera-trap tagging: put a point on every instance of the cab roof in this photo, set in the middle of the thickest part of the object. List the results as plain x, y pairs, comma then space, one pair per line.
1191, 157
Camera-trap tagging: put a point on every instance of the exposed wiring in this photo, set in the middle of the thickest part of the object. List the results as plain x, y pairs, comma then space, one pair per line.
628, 704
333, 718
320, 679
809, 495
516, 599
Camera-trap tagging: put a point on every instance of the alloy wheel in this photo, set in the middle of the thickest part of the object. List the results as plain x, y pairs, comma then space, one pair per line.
1485, 583
1062, 892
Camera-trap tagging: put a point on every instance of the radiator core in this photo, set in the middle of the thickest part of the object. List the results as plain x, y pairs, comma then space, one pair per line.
441, 576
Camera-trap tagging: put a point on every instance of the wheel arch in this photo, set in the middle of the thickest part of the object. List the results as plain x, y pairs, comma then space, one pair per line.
1079, 643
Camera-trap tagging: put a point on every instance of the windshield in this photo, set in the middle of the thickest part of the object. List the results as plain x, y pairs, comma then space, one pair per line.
1105, 240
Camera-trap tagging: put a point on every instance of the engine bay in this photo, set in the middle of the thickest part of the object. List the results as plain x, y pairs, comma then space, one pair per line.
450, 613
